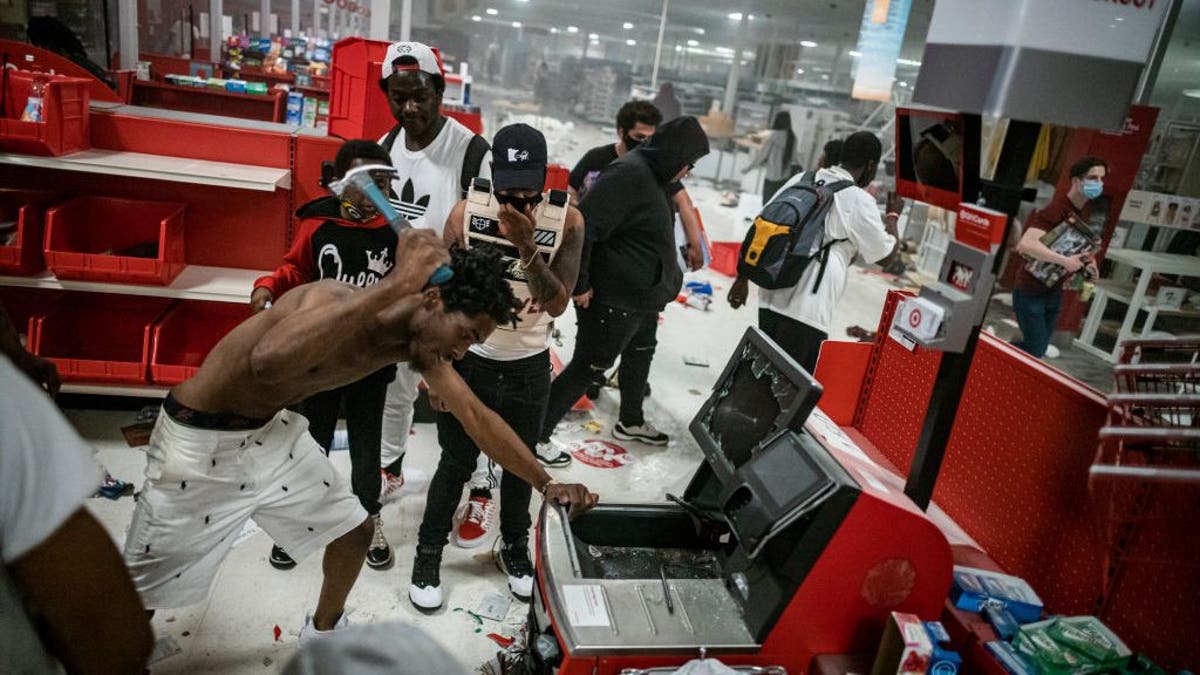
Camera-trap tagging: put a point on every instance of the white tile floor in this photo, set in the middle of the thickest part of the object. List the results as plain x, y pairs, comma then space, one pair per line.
232, 632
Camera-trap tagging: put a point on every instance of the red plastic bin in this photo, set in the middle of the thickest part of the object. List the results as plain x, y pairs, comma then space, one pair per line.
185, 335
557, 177
27, 208
24, 304
725, 257
83, 234
358, 108
64, 128
99, 338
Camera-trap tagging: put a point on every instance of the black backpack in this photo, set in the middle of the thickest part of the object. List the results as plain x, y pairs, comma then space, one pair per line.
472, 161
788, 234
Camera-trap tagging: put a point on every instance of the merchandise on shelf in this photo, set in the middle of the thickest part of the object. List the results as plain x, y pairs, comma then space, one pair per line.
973, 587
44, 114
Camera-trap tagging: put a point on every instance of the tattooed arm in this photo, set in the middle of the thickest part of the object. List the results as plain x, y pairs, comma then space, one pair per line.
550, 284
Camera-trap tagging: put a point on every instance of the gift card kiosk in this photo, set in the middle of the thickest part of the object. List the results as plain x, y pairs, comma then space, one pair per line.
779, 549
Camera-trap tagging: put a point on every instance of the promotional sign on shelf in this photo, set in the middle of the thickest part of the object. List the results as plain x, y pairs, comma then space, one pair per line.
1071, 62
879, 42
1161, 210
978, 227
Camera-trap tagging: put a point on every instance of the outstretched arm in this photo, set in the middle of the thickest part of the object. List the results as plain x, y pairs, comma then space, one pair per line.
498, 441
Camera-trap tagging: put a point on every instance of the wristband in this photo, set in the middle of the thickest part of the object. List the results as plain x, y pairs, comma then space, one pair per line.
525, 265
546, 486
893, 214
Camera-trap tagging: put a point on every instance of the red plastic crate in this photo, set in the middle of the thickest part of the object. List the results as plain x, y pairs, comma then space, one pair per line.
28, 209
65, 114
24, 304
724, 257
185, 335
83, 233
358, 108
557, 177
99, 338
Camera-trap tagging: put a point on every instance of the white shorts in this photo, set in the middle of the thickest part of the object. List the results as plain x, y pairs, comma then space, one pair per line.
203, 485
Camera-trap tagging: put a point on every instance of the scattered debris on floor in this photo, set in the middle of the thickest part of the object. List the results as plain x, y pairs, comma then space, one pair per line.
593, 426
278, 632
164, 648
137, 435
113, 488
494, 606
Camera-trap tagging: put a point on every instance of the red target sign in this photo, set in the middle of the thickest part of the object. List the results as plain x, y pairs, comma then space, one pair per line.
914, 317
600, 454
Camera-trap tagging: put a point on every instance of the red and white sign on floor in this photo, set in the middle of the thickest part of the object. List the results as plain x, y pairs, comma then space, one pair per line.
978, 227
600, 454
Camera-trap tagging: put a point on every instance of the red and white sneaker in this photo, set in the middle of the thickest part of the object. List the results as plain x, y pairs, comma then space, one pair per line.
391, 486
475, 519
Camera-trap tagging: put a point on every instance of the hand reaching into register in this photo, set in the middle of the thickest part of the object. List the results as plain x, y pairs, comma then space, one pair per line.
575, 495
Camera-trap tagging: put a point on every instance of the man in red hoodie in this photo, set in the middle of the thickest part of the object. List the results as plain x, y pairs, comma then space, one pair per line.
348, 240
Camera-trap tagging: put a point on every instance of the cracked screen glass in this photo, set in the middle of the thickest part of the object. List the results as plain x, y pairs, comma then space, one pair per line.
748, 406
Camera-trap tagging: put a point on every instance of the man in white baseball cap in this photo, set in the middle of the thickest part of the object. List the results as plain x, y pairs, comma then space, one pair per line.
435, 158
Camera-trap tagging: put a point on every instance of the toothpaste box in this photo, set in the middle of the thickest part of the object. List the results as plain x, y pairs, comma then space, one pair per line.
973, 587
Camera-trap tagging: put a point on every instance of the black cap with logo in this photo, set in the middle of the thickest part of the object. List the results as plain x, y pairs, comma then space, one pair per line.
519, 158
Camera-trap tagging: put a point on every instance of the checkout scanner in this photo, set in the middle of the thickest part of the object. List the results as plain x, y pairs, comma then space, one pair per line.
779, 549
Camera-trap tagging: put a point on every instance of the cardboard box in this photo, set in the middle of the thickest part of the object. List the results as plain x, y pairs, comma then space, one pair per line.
905, 648
973, 587
1170, 297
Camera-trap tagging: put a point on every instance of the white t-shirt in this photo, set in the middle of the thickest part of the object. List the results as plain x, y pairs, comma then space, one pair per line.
854, 217
46, 473
430, 180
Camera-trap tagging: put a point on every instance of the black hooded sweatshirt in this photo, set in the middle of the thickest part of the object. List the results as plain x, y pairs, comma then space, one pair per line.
629, 258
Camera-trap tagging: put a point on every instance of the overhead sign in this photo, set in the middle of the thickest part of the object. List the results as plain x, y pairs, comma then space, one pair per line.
1070, 62
879, 41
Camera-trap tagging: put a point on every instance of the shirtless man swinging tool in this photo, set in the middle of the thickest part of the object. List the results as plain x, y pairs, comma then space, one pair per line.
225, 449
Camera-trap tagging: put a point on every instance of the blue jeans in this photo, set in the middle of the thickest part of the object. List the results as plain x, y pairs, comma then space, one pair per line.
1037, 315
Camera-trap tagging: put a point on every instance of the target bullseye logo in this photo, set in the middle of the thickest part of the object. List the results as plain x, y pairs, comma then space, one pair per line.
914, 317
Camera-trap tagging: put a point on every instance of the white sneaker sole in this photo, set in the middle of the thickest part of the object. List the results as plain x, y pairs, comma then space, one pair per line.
423, 598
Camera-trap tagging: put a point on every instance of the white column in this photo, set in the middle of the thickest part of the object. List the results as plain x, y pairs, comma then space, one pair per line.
127, 33
662, 27
216, 10
405, 20
381, 17
735, 69
264, 19
295, 18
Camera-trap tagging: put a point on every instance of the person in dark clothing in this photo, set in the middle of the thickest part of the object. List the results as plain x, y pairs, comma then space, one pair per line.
628, 273
1036, 304
47, 32
350, 241
666, 102
777, 155
831, 154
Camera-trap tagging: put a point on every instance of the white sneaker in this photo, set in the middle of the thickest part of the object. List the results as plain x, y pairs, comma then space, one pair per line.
551, 455
1052, 352
394, 487
642, 433
514, 561
425, 589
310, 632
474, 520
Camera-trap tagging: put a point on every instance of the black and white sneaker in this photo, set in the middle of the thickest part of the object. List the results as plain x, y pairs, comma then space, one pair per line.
551, 456
425, 591
514, 561
642, 433
279, 559
379, 555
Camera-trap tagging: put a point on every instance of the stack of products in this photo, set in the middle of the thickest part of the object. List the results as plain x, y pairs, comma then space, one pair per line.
1063, 646
974, 589
238, 86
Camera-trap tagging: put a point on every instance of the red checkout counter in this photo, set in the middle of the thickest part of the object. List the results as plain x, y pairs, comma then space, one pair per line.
783, 546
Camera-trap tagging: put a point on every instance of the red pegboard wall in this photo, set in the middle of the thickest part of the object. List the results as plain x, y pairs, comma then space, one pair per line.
1015, 478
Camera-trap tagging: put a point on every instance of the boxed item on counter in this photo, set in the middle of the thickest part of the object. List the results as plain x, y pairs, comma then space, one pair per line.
1090, 637
1072, 645
1012, 660
942, 660
905, 648
236, 86
973, 587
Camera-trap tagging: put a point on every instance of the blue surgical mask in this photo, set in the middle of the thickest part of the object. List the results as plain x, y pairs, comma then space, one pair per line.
1092, 188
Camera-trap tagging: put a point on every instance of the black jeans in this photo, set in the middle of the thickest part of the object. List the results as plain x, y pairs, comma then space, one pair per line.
604, 334
516, 391
801, 341
364, 425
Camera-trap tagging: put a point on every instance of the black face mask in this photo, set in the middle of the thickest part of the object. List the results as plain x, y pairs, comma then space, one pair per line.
521, 204
630, 142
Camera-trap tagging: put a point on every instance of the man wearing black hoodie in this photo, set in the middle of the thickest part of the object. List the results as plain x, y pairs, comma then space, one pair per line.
628, 274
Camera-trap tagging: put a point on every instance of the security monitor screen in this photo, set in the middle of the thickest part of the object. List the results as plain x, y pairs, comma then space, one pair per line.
930, 151
760, 394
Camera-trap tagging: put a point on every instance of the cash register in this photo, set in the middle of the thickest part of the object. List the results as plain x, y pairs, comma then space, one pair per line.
779, 549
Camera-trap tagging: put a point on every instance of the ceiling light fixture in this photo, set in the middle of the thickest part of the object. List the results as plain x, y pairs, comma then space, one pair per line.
516, 24
572, 29
735, 16
593, 36
908, 62
476, 17
1192, 93
492, 11
627, 26
693, 43
553, 29
631, 42
799, 71
807, 43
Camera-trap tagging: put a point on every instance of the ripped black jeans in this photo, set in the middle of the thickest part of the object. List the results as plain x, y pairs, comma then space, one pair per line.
604, 334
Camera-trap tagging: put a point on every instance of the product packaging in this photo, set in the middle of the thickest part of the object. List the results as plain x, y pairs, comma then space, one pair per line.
972, 587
